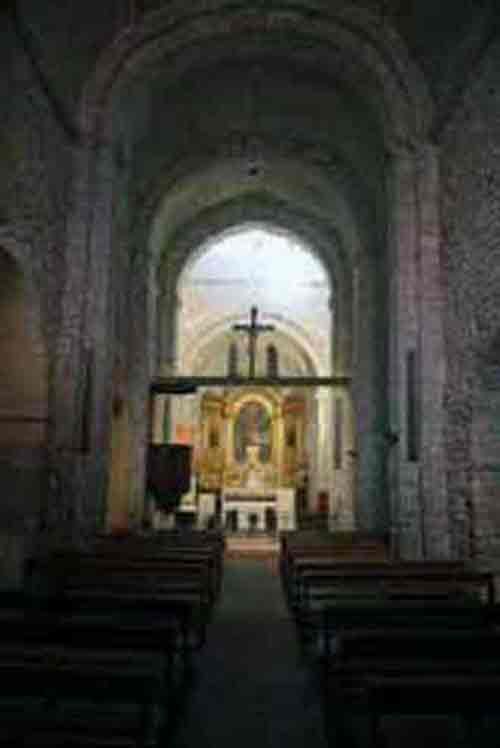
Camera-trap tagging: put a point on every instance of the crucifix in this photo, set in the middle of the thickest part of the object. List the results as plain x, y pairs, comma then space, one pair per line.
253, 330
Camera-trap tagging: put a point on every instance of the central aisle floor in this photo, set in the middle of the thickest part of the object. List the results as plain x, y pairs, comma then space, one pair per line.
252, 690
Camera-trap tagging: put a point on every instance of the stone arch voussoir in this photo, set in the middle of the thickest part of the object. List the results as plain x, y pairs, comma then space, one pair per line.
359, 33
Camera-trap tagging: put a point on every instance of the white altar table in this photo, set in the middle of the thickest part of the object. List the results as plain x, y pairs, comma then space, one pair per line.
251, 501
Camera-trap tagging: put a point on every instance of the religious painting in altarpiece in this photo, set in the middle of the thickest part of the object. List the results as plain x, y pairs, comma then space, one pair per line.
252, 427
258, 433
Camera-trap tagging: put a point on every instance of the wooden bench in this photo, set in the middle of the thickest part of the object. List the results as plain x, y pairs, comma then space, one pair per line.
101, 614
78, 696
326, 548
316, 587
436, 671
318, 562
174, 566
110, 623
173, 582
362, 589
176, 606
403, 615
71, 570
181, 548
290, 539
116, 626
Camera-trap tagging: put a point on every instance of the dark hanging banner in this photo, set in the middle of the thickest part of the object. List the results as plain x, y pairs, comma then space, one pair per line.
412, 426
339, 427
87, 401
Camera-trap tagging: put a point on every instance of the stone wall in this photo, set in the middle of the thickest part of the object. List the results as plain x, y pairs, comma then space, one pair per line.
56, 207
35, 174
66, 217
471, 265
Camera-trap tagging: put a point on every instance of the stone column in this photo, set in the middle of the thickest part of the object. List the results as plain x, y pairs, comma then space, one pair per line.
436, 531
324, 464
416, 373
83, 359
313, 452
402, 271
169, 359
344, 462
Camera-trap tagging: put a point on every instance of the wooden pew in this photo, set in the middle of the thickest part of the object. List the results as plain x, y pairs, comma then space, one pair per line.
165, 571
111, 623
336, 594
321, 560
410, 580
319, 638
86, 569
301, 548
55, 695
123, 602
181, 547
291, 539
184, 568
351, 587
114, 626
436, 671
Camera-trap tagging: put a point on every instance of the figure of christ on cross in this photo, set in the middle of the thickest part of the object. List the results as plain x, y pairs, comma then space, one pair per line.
253, 331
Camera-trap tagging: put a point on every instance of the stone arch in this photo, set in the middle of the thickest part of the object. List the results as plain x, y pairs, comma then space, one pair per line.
367, 45
272, 228
363, 49
293, 331
24, 412
254, 200
322, 239
198, 239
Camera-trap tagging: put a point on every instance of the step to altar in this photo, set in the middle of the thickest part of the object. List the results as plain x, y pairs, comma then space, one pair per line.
239, 545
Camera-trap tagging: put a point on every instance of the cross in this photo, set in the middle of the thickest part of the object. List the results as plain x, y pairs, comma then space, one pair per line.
253, 330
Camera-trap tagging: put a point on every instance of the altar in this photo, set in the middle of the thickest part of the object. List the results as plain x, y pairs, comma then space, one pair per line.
252, 455
250, 509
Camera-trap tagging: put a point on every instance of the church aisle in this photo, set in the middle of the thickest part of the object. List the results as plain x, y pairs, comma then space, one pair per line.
252, 691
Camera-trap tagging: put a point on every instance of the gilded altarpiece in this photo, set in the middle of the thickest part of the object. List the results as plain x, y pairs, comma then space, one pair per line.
251, 438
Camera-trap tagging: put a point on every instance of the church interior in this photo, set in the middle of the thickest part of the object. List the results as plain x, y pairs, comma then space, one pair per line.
249, 373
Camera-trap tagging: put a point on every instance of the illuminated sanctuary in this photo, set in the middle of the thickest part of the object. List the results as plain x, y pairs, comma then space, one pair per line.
255, 303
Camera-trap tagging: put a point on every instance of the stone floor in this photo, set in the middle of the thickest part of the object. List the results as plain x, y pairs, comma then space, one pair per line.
252, 691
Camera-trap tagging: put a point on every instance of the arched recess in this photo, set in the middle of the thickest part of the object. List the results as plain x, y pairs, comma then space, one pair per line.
298, 336
267, 210
334, 250
367, 54
318, 356
24, 423
205, 343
